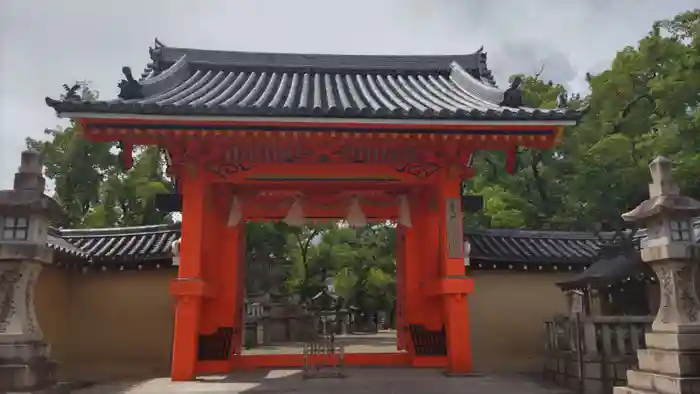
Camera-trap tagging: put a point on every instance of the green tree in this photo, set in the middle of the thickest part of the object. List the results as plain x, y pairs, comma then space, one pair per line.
533, 195
646, 104
89, 183
306, 258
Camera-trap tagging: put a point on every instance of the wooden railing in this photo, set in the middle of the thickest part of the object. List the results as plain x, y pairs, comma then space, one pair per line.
593, 354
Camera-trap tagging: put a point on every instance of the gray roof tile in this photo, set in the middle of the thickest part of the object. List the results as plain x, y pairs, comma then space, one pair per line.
526, 246
120, 244
60, 245
127, 246
219, 83
608, 270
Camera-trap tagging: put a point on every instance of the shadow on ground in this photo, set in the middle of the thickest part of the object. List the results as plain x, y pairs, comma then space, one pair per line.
357, 381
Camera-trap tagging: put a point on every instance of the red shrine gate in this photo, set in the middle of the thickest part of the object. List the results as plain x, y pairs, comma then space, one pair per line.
254, 136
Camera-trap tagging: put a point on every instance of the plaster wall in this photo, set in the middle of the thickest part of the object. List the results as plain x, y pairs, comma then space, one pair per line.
106, 326
119, 325
52, 303
507, 312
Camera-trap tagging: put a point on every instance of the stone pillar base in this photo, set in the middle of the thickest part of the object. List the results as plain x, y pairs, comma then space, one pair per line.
26, 367
669, 365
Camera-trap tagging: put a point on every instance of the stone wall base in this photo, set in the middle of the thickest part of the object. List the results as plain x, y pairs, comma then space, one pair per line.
25, 367
670, 365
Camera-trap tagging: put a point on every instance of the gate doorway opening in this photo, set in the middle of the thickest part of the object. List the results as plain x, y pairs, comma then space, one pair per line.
329, 280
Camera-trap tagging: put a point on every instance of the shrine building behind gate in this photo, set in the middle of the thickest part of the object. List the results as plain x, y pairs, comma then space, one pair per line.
257, 136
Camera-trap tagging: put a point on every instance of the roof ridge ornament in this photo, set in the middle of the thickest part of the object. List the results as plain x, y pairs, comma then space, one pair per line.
513, 96
156, 54
129, 87
155, 50
562, 101
71, 92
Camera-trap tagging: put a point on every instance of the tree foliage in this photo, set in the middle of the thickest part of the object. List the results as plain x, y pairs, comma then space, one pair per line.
91, 186
646, 104
359, 262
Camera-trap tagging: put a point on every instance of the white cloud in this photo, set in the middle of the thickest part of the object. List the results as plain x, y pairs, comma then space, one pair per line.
44, 44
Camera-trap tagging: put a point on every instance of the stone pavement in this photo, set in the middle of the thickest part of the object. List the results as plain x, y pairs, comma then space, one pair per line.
358, 381
380, 342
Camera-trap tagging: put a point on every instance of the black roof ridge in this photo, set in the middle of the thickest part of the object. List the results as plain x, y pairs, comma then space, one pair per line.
167, 54
502, 232
160, 228
313, 69
117, 231
163, 57
523, 233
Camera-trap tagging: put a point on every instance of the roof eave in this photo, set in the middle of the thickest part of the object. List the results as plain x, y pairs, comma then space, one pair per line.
317, 120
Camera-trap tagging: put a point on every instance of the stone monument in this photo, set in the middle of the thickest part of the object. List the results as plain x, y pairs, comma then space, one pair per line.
670, 364
25, 212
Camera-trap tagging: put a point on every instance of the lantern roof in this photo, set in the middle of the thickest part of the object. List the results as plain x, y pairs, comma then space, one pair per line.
664, 195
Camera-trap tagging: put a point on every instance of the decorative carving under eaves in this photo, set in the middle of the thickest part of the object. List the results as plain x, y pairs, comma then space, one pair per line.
180, 156
372, 155
420, 170
223, 170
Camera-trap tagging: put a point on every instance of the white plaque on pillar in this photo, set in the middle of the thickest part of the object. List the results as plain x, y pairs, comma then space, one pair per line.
455, 238
576, 302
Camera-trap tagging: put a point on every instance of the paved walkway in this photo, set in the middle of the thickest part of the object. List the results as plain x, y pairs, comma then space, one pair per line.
381, 342
357, 381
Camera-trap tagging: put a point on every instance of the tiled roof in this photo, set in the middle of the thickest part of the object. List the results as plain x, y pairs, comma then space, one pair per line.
524, 246
219, 83
490, 248
55, 242
607, 270
127, 245
119, 244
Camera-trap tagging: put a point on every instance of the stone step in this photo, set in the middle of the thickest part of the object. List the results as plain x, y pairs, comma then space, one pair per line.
629, 390
669, 362
662, 384
672, 341
23, 351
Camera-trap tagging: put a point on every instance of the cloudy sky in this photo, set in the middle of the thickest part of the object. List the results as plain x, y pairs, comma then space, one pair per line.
45, 43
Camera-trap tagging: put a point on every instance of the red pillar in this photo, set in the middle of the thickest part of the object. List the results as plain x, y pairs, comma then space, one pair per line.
454, 285
237, 264
416, 248
222, 267
188, 287
402, 335
213, 263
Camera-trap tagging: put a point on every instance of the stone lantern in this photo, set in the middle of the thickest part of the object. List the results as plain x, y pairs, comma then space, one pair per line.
25, 213
671, 362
